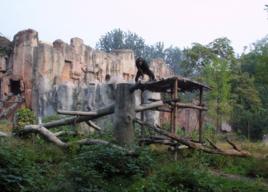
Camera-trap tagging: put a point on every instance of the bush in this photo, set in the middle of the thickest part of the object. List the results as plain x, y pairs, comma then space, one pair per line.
25, 166
106, 168
23, 117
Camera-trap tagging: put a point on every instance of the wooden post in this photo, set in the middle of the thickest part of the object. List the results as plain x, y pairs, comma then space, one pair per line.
174, 111
142, 115
175, 96
200, 119
124, 114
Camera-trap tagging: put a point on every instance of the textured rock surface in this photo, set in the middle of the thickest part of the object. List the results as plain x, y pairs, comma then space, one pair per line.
65, 76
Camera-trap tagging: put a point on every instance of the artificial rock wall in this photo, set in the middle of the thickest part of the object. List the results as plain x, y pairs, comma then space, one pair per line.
47, 77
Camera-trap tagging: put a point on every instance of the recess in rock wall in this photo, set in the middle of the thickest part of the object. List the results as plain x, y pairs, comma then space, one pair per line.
15, 88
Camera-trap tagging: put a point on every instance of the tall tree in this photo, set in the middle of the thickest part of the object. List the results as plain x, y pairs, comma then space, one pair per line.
173, 57
218, 75
255, 63
246, 105
118, 39
195, 59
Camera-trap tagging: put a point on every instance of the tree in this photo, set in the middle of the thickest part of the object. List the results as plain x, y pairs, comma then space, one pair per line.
255, 64
118, 39
218, 75
246, 105
173, 57
195, 58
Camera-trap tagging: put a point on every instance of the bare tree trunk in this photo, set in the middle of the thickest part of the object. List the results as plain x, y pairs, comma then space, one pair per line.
124, 113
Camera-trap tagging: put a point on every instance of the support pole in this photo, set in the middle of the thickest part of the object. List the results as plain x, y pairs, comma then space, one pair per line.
124, 113
200, 118
142, 115
174, 112
174, 115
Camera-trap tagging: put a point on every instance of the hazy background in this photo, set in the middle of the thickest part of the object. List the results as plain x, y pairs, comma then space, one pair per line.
174, 22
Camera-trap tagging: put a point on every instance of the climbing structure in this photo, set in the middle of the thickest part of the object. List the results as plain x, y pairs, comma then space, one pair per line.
173, 86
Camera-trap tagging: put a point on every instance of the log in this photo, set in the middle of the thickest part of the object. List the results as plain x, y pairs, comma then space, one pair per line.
45, 133
99, 142
155, 141
190, 105
124, 114
150, 106
73, 120
3, 134
93, 125
139, 108
60, 133
51, 137
194, 145
84, 113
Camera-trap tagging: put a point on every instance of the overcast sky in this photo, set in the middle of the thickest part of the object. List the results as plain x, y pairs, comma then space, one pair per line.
174, 22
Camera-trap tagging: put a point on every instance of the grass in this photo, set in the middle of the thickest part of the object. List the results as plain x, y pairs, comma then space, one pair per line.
35, 165
39, 166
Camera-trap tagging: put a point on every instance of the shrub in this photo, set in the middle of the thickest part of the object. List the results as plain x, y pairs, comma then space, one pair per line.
24, 117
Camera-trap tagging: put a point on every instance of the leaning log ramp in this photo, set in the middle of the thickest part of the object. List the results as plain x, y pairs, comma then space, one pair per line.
125, 112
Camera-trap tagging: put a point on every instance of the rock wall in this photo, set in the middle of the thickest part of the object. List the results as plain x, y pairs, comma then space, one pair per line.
46, 77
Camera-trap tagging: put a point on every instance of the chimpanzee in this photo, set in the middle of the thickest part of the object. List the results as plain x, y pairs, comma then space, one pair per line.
143, 68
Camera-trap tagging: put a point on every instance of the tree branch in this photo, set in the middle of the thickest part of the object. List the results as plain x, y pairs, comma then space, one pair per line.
193, 145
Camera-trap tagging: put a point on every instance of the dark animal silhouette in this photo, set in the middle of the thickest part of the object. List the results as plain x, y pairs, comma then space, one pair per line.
143, 68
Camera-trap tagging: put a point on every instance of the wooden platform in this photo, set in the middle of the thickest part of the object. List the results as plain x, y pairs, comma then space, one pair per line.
167, 85
174, 86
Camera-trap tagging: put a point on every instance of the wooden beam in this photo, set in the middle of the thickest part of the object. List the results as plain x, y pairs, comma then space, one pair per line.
200, 116
73, 120
83, 113
190, 105
174, 110
149, 106
142, 115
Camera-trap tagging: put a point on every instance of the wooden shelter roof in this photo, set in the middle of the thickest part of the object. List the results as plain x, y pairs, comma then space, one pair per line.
166, 85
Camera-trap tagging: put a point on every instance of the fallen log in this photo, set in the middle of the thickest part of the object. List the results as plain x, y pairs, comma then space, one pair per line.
3, 134
60, 133
194, 145
157, 141
51, 137
93, 125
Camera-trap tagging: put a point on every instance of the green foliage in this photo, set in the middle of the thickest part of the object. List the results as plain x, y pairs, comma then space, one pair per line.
26, 166
38, 166
118, 39
250, 92
107, 169
185, 177
24, 117
217, 74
